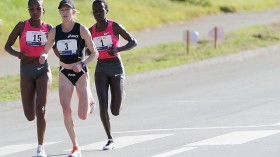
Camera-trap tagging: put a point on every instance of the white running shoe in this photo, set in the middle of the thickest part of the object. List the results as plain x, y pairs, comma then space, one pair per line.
41, 152
75, 152
92, 107
109, 145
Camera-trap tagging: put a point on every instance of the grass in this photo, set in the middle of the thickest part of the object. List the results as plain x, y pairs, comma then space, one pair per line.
172, 54
9, 87
133, 14
136, 15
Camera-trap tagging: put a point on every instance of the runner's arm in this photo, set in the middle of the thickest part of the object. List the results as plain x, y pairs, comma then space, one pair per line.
120, 30
90, 45
48, 46
16, 32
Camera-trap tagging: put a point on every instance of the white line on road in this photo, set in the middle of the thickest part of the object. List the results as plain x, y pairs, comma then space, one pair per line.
124, 141
223, 100
239, 137
174, 152
199, 128
11, 149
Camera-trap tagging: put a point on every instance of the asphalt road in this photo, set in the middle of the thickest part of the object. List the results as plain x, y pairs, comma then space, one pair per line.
225, 109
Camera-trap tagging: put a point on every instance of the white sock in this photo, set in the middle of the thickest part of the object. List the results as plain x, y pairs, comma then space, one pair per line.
40, 147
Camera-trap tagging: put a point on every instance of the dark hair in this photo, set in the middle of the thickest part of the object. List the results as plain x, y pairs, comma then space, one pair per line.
39, 1
101, 1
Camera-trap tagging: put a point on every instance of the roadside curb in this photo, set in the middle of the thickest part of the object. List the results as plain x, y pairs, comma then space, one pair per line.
137, 78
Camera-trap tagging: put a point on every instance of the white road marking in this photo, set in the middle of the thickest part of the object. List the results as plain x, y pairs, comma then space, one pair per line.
199, 128
223, 100
124, 141
239, 137
276, 124
11, 149
174, 152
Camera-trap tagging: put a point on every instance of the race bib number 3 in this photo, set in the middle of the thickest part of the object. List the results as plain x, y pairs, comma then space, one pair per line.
67, 47
103, 42
36, 38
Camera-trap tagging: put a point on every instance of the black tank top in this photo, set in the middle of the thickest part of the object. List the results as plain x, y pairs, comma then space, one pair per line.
70, 45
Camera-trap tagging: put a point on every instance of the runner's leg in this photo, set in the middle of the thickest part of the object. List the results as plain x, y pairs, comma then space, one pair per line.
66, 89
91, 99
102, 86
27, 87
43, 85
82, 88
117, 92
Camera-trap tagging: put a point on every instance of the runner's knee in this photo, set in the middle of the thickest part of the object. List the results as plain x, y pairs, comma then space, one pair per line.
115, 113
40, 112
30, 117
82, 116
67, 112
102, 109
115, 110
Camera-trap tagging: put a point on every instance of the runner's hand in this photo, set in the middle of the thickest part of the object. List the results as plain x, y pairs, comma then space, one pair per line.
21, 55
43, 58
77, 68
113, 51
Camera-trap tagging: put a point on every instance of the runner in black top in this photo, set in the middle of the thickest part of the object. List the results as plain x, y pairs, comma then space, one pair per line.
69, 38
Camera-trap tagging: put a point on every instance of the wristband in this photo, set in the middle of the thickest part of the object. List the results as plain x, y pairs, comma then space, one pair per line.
83, 64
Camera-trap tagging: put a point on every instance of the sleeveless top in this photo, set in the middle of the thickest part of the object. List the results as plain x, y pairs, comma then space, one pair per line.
104, 40
70, 45
33, 40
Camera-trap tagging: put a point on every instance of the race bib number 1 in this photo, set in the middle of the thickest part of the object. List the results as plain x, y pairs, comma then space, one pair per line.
67, 47
103, 42
36, 38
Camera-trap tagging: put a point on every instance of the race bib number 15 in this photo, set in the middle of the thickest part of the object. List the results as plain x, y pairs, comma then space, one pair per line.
36, 38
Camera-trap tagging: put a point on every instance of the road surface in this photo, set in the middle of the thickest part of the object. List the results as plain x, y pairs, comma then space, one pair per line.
224, 109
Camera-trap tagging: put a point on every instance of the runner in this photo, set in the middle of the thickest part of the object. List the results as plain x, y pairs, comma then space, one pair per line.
35, 78
109, 70
70, 39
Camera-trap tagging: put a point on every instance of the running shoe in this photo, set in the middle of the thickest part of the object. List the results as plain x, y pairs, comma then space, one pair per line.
109, 145
75, 152
92, 107
41, 153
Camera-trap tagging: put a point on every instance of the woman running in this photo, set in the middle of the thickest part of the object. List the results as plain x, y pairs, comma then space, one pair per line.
70, 39
109, 69
35, 78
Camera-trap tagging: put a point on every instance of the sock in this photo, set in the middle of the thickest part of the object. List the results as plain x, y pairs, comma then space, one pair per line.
40, 147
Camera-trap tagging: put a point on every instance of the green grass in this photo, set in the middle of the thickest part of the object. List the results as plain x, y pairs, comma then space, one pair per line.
172, 54
9, 87
133, 14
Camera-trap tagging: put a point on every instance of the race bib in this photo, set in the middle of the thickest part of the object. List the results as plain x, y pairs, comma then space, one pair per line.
36, 38
67, 47
103, 42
